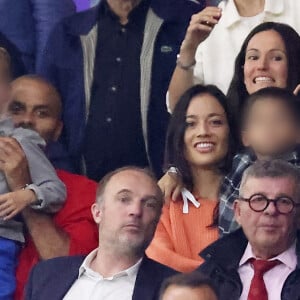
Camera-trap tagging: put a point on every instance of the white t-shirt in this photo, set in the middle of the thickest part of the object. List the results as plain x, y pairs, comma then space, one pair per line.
216, 55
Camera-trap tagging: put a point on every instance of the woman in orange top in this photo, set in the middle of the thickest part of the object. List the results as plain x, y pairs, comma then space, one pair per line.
199, 136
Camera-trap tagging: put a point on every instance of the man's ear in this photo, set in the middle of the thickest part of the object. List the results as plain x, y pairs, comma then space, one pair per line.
237, 211
97, 210
58, 130
245, 138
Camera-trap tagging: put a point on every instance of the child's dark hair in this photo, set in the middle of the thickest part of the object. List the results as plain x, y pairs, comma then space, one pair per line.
291, 102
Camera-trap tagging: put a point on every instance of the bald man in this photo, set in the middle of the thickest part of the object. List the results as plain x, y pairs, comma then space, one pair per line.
36, 104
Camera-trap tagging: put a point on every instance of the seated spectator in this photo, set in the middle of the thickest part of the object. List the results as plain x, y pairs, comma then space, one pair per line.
260, 261
39, 189
215, 35
36, 104
270, 130
192, 286
112, 65
28, 25
127, 209
198, 144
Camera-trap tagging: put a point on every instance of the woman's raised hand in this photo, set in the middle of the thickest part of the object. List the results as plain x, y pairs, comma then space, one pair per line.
200, 27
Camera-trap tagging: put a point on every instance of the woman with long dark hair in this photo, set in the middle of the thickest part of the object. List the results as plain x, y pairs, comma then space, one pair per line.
270, 56
200, 144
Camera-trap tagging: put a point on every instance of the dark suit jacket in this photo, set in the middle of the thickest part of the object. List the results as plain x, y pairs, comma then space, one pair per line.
222, 261
51, 279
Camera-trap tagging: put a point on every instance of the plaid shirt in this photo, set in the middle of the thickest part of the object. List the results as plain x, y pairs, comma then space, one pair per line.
229, 190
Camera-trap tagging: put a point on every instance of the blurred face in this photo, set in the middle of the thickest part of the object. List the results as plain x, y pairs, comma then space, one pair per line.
269, 232
129, 213
270, 129
207, 132
34, 106
266, 62
174, 292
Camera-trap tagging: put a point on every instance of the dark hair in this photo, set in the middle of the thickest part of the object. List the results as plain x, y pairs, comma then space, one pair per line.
291, 102
174, 155
191, 280
237, 92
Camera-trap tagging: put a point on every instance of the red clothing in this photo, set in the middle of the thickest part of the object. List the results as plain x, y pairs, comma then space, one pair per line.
74, 218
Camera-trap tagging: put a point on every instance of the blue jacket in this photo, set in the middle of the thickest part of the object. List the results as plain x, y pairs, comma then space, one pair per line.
27, 24
51, 279
221, 264
69, 63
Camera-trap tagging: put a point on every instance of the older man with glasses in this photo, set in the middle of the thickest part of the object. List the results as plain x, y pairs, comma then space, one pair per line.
261, 260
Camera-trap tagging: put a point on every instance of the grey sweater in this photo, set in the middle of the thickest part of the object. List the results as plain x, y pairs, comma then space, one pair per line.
50, 191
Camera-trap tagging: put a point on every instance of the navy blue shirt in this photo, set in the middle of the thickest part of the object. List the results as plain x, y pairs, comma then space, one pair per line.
114, 130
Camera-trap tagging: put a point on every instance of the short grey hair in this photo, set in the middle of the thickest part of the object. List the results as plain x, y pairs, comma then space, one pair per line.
106, 179
276, 168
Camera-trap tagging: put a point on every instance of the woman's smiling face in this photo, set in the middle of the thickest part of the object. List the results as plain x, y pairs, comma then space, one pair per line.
266, 62
207, 132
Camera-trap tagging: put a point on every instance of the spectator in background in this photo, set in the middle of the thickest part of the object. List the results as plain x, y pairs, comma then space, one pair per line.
214, 39
260, 261
39, 189
191, 286
127, 208
200, 143
27, 25
36, 104
112, 65
269, 57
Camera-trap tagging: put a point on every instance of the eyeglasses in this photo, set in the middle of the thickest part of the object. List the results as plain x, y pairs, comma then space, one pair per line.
259, 203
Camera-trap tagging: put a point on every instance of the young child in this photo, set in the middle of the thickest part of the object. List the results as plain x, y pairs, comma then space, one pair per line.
43, 191
270, 129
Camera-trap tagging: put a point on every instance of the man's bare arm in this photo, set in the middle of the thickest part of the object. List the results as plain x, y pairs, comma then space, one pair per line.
50, 241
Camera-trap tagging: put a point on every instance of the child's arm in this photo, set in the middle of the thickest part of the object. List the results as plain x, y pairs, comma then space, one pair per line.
28, 162
49, 190
13, 203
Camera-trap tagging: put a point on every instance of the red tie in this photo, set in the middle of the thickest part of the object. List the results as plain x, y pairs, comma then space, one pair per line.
258, 289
